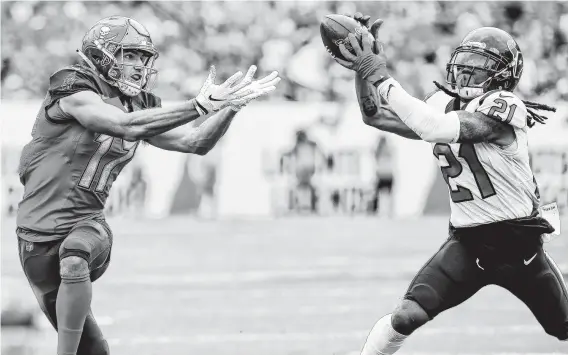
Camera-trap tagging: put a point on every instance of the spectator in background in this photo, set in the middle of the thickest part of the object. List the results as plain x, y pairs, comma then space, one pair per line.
280, 35
304, 158
382, 201
207, 183
136, 192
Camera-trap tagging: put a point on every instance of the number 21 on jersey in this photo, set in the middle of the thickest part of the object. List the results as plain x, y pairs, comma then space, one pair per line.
454, 169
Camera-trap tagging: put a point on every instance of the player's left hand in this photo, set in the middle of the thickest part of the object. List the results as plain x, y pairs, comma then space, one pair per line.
372, 67
255, 89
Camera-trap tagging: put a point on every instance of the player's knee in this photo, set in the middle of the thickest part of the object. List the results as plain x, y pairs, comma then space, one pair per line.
73, 269
75, 246
408, 317
560, 334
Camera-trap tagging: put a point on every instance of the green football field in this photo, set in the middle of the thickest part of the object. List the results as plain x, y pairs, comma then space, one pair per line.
294, 286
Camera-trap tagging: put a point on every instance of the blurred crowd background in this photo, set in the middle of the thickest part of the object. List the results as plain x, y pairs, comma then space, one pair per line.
39, 37
305, 148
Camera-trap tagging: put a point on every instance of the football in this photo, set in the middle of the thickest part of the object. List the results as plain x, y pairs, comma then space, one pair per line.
334, 30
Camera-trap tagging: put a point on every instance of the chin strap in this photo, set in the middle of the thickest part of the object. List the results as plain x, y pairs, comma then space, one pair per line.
127, 88
469, 93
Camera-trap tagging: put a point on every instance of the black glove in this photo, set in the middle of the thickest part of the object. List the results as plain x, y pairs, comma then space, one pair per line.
370, 66
365, 20
362, 19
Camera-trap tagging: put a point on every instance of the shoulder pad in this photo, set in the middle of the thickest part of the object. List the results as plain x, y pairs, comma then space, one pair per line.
70, 80
504, 106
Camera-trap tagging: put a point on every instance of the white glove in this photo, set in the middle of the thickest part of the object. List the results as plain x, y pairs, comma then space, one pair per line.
212, 98
255, 89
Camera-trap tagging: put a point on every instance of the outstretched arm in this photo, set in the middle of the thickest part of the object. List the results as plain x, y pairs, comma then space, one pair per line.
93, 113
428, 123
200, 140
438, 127
376, 116
196, 140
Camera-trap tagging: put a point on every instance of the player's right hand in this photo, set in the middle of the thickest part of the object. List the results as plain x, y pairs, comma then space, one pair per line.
255, 89
362, 19
232, 92
370, 66
365, 20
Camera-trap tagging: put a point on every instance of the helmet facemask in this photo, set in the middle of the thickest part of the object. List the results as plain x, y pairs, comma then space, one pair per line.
121, 71
104, 48
472, 72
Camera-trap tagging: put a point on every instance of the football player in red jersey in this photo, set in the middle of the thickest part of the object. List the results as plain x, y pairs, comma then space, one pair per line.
479, 133
88, 128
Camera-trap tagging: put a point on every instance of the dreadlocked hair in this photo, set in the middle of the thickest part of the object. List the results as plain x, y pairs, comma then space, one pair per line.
531, 106
446, 90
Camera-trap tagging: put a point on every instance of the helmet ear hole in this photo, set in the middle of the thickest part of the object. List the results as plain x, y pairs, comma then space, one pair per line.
114, 74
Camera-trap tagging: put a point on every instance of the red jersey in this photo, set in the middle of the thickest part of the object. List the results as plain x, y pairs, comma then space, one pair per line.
67, 171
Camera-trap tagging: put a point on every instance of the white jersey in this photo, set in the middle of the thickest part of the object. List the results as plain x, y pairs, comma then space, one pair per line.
488, 183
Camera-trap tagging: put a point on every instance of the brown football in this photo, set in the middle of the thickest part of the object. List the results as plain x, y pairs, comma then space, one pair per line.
334, 30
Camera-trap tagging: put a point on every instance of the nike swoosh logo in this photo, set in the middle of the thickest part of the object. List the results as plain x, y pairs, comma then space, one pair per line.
530, 260
479, 266
212, 99
388, 89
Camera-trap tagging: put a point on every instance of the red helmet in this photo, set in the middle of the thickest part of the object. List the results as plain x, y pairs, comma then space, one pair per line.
103, 49
492, 51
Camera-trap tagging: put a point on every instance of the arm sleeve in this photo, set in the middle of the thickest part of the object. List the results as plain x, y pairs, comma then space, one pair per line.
428, 123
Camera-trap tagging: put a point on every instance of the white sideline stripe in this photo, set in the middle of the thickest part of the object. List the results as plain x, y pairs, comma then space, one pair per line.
161, 279
243, 276
219, 277
310, 337
258, 311
222, 278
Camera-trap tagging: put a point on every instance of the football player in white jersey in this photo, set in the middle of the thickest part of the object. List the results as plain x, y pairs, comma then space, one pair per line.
478, 130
